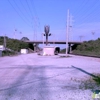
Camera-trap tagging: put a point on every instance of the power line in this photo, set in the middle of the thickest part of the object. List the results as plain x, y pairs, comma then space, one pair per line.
29, 9
28, 12
35, 12
24, 8
23, 15
91, 6
81, 6
20, 10
34, 7
35, 18
90, 15
35, 22
18, 13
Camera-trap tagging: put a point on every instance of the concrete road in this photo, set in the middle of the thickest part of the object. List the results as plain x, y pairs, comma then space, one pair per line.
34, 77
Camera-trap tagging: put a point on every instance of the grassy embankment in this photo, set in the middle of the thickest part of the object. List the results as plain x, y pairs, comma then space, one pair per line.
89, 48
13, 44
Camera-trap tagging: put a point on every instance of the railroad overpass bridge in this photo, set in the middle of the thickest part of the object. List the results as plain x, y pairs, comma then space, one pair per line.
75, 43
54, 42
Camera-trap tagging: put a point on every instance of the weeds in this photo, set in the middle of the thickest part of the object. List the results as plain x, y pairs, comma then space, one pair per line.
90, 83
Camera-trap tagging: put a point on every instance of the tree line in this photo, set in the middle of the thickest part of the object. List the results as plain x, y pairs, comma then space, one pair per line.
14, 45
89, 48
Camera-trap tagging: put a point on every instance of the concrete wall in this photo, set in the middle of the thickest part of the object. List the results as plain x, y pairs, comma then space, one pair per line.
48, 51
24, 51
2, 47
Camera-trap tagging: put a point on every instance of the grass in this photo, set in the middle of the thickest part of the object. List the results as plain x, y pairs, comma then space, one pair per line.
97, 79
91, 83
86, 53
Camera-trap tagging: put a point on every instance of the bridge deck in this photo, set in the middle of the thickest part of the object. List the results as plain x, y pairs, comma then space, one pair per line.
55, 42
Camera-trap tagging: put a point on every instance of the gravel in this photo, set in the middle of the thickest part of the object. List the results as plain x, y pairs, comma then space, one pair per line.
35, 77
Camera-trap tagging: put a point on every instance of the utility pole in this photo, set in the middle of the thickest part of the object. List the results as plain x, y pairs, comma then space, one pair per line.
5, 41
93, 34
81, 38
70, 27
35, 28
67, 35
20, 35
15, 30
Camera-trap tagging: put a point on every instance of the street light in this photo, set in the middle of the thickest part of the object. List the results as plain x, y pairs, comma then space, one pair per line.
20, 34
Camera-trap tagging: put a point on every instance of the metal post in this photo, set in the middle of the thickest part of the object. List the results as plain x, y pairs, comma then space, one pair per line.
43, 40
20, 35
15, 33
5, 41
67, 36
46, 39
93, 34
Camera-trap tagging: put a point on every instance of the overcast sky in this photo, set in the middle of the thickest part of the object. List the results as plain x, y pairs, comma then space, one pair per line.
29, 17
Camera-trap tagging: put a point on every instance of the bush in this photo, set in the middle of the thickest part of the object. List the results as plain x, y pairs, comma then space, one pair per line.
14, 45
91, 48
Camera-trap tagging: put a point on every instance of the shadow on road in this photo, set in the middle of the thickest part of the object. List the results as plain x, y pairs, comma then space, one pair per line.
85, 72
95, 78
32, 80
33, 67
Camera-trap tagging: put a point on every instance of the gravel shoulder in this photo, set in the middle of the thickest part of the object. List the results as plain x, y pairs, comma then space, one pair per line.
34, 77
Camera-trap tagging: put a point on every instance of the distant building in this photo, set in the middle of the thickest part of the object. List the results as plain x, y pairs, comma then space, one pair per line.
2, 48
24, 51
51, 50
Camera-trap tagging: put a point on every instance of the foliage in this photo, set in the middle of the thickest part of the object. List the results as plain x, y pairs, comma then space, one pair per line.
91, 48
24, 39
91, 83
8, 53
97, 80
13, 44
63, 51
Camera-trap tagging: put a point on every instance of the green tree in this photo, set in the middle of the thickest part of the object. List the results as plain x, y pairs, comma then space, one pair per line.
24, 39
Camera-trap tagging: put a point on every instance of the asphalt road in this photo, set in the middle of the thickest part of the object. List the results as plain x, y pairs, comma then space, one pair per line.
34, 77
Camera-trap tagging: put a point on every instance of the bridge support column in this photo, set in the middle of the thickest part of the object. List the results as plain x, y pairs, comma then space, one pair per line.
36, 47
69, 48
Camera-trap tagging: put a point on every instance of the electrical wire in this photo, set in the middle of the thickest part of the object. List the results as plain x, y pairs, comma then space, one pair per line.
25, 8
81, 7
35, 12
29, 9
19, 13
91, 11
34, 19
